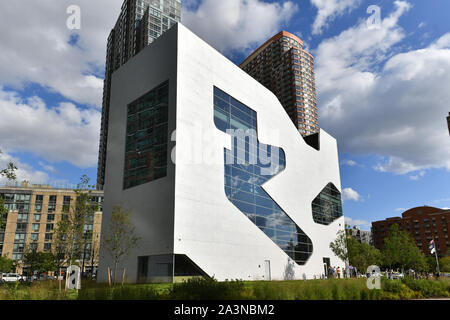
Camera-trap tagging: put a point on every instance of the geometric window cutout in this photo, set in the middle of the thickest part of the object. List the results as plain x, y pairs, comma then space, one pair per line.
327, 206
248, 165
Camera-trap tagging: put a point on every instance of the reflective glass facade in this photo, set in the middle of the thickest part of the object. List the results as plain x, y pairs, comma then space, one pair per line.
327, 206
147, 136
248, 165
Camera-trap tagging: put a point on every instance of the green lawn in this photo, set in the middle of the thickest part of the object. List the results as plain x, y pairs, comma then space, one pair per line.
333, 289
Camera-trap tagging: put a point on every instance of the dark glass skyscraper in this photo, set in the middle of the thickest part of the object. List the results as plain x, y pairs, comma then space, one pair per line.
139, 24
284, 67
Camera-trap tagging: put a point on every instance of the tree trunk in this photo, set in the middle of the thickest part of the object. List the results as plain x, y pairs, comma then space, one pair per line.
123, 276
115, 272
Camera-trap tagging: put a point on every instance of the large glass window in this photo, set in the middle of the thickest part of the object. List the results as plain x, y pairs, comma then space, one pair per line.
248, 165
147, 137
327, 206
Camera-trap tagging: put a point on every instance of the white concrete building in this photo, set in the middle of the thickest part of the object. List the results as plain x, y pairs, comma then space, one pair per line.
269, 217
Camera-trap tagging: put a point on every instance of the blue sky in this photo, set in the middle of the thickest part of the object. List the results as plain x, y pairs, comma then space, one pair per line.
382, 92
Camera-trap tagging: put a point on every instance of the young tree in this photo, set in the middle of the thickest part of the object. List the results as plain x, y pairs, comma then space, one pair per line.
5, 264
9, 173
359, 255
70, 236
400, 251
339, 245
119, 238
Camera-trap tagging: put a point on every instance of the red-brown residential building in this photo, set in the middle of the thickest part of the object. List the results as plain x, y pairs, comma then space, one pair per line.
422, 223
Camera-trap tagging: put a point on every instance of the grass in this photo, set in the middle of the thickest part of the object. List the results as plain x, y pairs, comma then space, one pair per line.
194, 289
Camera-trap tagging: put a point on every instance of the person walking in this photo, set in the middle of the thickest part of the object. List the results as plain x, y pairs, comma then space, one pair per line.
338, 270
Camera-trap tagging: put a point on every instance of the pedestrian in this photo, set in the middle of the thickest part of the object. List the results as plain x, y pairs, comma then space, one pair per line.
338, 270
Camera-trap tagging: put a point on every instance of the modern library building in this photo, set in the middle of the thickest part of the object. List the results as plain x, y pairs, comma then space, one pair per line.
219, 179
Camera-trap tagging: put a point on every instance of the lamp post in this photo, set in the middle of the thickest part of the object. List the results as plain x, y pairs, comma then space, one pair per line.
85, 235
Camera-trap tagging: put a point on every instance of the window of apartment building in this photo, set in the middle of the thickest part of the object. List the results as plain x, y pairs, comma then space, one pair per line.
35, 227
51, 217
33, 246
37, 217
17, 256
21, 227
49, 227
51, 203
38, 203
88, 228
22, 217
47, 246
64, 217
48, 236
66, 204
34, 237
146, 138
19, 247
19, 237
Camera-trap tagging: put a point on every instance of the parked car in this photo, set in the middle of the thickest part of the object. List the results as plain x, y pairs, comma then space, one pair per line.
11, 277
398, 275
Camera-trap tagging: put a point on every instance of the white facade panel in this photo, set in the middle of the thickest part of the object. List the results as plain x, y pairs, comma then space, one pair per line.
188, 211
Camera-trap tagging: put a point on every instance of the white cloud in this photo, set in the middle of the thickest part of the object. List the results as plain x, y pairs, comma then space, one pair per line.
350, 163
24, 171
350, 194
396, 111
417, 176
401, 209
422, 24
35, 47
328, 10
363, 224
237, 24
63, 132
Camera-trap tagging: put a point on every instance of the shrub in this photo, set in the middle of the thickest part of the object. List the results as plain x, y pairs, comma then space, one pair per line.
210, 289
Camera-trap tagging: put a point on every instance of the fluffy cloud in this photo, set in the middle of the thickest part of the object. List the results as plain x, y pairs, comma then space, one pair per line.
328, 10
237, 24
24, 172
350, 163
350, 194
363, 224
35, 47
396, 111
63, 132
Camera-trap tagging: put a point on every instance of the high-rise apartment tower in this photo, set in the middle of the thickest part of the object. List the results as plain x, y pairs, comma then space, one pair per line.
285, 68
139, 24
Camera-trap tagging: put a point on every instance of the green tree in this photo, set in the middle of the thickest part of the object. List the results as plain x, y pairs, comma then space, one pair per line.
362, 255
400, 251
5, 264
444, 264
340, 245
359, 255
69, 235
9, 173
39, 261
119, 238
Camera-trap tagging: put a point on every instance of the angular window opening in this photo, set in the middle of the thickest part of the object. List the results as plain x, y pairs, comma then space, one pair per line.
248, 165
146, 137
327, 206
